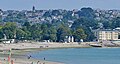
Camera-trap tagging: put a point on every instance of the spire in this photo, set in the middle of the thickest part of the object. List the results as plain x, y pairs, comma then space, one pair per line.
33, 9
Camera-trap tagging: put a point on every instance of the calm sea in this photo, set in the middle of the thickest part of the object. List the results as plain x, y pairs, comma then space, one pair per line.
81, 55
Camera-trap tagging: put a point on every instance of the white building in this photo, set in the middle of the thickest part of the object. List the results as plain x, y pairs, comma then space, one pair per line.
106, 35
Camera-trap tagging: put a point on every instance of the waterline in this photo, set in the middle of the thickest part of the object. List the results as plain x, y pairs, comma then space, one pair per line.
81, 55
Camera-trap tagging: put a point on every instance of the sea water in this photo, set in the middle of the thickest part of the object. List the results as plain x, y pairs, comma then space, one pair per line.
81, 55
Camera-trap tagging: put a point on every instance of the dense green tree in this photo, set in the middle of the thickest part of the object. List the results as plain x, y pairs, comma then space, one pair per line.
1, 34
0, 19
86, 24
62, 32
47, 14
89, 33
115, 23
36, 35
27, 24
55, 12
27, 31
36, 31
86, 12
52, 33
10, 30
83, 21
107, 25
20, 34
79, 34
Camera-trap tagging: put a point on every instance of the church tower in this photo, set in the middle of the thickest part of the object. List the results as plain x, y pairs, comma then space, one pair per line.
33, 9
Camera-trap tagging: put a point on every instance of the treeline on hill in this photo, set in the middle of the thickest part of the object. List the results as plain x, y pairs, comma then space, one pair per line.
39, 32
57, 30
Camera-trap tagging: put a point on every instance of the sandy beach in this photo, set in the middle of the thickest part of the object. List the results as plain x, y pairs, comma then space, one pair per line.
20, 51
23, 60
40, 45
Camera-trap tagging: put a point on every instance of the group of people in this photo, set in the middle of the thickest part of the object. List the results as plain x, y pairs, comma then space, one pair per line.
29, 57
38, 62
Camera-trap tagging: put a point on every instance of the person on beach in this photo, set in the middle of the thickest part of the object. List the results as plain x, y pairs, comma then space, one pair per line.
12, 62
38, 62
15, 59
29, 57
32, 63
44, 58
0, 62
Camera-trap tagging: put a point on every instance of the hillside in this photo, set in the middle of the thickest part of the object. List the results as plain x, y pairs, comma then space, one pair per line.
55, 25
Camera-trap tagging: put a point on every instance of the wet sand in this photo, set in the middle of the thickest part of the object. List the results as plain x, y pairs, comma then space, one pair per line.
21, 57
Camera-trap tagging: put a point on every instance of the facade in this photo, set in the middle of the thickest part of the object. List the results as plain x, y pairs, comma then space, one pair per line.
106, 35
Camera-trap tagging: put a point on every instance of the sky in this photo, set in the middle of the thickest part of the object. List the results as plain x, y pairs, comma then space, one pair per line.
58, 4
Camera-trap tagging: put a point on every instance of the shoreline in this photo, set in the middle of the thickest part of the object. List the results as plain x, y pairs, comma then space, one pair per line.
20, 51
22, 58
19, 46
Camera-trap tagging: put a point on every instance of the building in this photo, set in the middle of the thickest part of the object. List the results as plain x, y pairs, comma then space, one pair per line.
33, 9
106, 35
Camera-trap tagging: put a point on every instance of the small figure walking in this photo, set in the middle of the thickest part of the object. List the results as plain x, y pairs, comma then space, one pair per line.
38, 62
44, 58
12, 62
32, 63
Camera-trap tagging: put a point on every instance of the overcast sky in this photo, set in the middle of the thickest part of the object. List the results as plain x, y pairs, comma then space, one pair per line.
58, 4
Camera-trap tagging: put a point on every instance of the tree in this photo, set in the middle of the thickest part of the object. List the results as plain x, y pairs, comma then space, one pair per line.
79, 34
47, 14
1, 34
115, 23
27, 31
37, 35
20, 34
107, 25
52, 33
55, 12
27, 24
83, 21
36, 32
44, 28
86, 24
86, 12
10, 30
62, 32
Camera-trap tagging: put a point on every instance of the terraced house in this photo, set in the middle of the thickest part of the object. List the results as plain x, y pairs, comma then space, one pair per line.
106, 35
